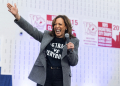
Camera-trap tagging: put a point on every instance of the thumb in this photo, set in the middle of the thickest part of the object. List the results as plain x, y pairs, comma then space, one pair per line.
9, 10
15, 5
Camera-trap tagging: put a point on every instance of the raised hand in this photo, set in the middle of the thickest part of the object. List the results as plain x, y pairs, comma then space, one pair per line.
13, 10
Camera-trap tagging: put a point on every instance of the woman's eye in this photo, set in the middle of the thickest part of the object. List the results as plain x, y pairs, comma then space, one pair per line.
60, 24
56, 24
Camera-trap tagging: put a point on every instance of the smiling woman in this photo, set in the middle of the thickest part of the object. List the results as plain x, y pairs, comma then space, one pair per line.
63, 25
52, 67
59, 28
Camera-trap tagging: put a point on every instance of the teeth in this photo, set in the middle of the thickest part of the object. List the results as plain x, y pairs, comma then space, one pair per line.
58, 30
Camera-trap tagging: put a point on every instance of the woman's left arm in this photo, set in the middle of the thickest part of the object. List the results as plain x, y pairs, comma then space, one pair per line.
73, 56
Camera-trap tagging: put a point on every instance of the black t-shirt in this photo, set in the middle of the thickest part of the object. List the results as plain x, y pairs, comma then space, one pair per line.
54, 52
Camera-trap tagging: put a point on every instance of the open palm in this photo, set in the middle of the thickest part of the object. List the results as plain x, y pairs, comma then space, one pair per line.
12, 9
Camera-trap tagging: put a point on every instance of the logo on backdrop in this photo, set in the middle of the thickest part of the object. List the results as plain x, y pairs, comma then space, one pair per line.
37, 21
90, 33
90, 28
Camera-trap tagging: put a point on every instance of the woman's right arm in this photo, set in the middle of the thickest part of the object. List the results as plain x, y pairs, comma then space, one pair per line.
24, 24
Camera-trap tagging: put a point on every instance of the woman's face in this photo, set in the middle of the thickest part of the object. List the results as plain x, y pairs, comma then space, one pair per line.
59, 28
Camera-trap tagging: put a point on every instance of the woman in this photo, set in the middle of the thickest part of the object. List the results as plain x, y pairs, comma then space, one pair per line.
52, 67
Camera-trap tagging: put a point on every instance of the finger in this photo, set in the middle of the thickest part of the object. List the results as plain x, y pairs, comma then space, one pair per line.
71, 47
9, 10
15, 5
9, 6
8, 3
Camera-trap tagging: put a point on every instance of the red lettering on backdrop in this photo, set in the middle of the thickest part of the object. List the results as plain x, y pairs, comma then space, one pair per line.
104, 34
116, 42
49, 22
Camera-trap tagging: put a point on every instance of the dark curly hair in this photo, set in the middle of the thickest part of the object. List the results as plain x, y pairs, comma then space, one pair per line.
67, 24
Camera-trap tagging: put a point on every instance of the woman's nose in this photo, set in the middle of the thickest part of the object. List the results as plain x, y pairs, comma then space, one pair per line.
57, 25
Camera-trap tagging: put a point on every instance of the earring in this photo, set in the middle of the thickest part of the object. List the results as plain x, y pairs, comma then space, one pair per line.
66, 29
